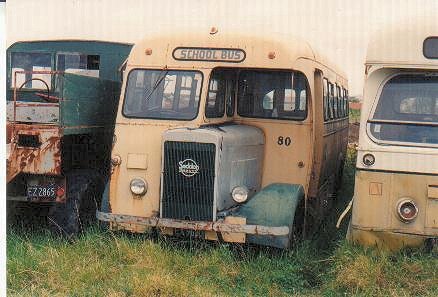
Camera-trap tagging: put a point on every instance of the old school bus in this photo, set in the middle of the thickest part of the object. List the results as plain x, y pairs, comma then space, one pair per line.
239, 138
396, 192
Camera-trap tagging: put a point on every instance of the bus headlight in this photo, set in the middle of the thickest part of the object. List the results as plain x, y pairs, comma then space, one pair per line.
368, 159
407, 210
138, 186
240, 194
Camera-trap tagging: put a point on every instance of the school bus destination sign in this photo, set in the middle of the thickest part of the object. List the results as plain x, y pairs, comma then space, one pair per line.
209, 54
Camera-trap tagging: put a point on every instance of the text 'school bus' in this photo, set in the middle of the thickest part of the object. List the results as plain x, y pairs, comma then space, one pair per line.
229, 135
62, 99
396, 192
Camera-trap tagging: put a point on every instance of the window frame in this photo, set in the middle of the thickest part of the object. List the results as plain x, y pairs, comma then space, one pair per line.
326, 100
344, 92
157, 118
331, 101
338, 102
226, 113
57, 54
370, 121
424, 47
10, 74
292, 71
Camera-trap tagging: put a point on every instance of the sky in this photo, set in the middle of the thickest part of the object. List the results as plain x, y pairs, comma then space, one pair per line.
339, 29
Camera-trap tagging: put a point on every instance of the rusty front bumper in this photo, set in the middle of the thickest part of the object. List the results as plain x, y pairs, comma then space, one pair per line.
218, 226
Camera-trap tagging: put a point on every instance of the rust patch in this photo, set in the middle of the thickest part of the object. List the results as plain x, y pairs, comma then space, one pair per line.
44, 159
218, 226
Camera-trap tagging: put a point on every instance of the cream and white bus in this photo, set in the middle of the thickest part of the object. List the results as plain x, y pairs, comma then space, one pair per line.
230, 137
396, 192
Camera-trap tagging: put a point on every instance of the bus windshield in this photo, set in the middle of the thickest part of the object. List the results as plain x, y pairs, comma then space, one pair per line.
162, 94
407, 110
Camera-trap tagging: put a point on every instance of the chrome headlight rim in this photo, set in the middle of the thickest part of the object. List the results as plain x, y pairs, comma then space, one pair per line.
240, 194
138, 186
368, 159
406, 202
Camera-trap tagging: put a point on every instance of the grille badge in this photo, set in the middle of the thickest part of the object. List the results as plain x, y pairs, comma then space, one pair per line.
188, 167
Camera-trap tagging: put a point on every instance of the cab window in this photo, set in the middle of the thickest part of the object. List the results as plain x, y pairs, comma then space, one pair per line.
272, 94
221, 92
31, 62
407, 110
162, 94
81, 64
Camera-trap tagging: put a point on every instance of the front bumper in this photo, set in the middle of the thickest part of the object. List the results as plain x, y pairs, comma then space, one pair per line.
218, 226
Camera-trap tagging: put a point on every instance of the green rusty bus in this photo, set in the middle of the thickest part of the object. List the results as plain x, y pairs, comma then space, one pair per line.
62, 98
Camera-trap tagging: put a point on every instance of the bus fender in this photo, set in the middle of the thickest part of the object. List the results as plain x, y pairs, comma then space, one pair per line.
274, 206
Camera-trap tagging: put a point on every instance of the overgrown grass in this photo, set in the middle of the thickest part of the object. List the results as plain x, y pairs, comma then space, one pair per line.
101, 263
354, 115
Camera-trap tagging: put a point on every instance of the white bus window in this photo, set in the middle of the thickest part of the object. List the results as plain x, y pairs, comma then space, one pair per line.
268, 101
347, 108
407, 110
221, 93
212, 93
80, 64
169, 87
336, 102
340, 99
272, 94
417, 105
160, 94
31, 62
325, 93
345, 101
430, 48
303, 100
331, 101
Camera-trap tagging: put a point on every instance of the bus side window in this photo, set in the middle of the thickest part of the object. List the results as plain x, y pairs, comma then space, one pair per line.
344, 92
339, 101
325, 99
348, 105
331, 101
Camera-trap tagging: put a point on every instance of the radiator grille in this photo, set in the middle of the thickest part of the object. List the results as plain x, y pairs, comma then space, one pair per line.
188, 180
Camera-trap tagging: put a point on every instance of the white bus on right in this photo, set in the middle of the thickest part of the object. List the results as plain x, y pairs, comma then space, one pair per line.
395, 200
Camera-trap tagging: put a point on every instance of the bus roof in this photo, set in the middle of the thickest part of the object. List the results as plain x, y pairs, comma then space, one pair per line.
402, 44
287, 50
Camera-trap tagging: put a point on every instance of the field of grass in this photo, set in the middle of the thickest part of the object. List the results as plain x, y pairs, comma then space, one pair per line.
354, 116
101, 263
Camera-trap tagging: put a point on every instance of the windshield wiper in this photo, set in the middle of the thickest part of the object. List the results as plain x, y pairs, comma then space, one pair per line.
156, 84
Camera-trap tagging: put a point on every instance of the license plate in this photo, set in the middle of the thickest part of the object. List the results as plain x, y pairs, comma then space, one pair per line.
41, 192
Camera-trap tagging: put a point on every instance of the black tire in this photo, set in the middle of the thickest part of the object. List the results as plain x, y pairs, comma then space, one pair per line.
26, 215
339, 175
84, 192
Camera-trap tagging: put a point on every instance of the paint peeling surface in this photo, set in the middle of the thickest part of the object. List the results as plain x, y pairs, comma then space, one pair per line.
218, 226
33, 112
34, 149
